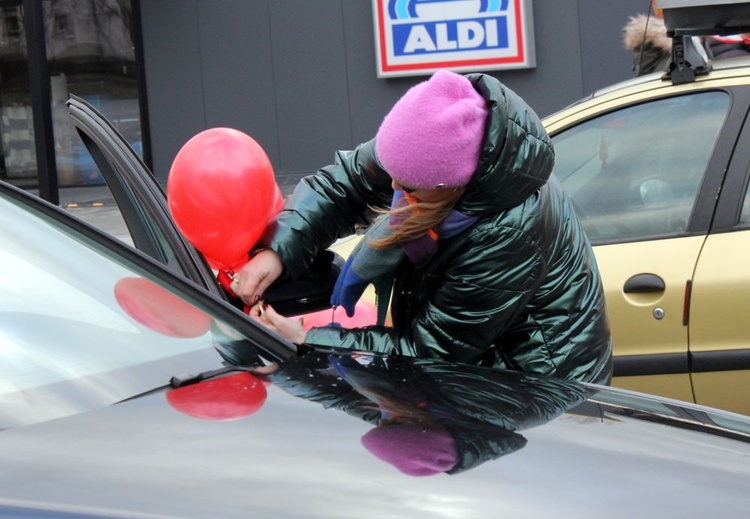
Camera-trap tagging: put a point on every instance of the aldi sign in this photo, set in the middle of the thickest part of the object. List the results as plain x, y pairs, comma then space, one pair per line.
417, 37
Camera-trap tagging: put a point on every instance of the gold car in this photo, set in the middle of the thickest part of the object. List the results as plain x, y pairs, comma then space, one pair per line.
658, 173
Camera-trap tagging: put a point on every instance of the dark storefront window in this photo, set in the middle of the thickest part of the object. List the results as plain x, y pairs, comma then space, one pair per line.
17, 151
91, 54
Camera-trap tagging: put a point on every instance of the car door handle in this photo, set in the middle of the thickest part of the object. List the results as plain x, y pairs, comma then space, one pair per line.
644, 283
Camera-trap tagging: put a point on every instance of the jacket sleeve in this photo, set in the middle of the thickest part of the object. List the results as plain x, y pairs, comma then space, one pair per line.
328, 205
481, 292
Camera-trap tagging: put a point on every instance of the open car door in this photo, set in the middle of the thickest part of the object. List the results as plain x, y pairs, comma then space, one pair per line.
143, 204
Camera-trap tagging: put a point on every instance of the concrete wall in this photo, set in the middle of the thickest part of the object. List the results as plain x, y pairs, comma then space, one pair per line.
299, 75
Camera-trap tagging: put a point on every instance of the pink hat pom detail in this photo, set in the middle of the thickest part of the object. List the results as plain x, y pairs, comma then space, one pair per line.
433, 135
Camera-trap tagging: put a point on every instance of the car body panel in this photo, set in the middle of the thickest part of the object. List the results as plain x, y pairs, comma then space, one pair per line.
711, 389
632, 316
620, 264
719, 327
293, 458
721, 295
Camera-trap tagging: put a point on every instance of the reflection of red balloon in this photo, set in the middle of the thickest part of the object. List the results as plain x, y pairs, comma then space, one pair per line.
220, 191
160, 310
365, 314
222, 399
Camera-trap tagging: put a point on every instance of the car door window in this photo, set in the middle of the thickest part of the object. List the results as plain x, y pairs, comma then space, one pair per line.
635, 173
140, 199
745, 214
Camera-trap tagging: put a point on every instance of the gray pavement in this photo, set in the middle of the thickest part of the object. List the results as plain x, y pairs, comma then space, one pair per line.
96, 206
107, 218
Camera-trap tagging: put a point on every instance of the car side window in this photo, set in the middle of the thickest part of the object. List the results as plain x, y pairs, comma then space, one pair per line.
745, 214
635, 173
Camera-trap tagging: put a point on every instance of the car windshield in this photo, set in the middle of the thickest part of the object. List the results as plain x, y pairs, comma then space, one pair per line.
82, 326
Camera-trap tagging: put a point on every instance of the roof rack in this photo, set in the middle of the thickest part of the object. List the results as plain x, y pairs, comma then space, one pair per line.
706, 17
687, 19
689, 59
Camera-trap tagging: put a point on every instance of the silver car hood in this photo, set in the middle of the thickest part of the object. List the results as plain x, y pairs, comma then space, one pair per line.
616, 455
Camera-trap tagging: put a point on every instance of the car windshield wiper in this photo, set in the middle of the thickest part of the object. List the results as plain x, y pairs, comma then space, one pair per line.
187, 379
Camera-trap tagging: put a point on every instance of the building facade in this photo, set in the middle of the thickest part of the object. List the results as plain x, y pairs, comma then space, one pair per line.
298, 76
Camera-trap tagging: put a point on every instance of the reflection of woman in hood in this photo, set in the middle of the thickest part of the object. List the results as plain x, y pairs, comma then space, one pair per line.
430, 416
646, 37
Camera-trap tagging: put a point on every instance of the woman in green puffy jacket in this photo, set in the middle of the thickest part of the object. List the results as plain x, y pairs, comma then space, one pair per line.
481, 254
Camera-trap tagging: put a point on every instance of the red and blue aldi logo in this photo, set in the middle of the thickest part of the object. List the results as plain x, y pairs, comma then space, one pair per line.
417, 37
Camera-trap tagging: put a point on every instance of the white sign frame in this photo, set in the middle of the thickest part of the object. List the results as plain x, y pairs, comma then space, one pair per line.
418, 37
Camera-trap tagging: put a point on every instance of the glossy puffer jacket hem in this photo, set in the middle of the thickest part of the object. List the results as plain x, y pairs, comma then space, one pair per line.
520, 289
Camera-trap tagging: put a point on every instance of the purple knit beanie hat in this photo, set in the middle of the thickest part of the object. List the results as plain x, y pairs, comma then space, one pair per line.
432, 137
415, 451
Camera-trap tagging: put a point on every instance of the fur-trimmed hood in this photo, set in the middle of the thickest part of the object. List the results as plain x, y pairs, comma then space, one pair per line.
656, 33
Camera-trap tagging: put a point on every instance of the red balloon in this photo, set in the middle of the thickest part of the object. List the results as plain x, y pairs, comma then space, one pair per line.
220, 191
213, 264
365, 314
278, 203
221, 399
158, 309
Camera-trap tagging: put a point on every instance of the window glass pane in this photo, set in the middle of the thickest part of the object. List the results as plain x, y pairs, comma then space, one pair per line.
91, 54
17, 150
635, 173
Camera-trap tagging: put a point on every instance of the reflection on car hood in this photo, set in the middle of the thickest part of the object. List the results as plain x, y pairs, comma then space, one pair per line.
328, 435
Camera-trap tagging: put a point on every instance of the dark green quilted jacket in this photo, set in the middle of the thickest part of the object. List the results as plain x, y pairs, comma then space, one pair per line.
519, 289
